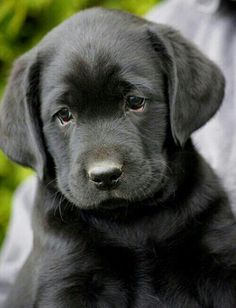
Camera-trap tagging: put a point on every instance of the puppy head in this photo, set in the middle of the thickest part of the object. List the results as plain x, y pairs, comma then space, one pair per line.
96, 99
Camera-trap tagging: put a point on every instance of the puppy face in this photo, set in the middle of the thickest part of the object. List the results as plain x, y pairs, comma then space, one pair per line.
104, 115
99, 95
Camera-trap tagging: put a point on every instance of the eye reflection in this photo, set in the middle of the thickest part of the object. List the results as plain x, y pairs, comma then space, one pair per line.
135, 103
64, 116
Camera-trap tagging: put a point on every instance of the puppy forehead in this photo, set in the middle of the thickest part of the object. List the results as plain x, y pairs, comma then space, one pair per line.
102, 51
96, 65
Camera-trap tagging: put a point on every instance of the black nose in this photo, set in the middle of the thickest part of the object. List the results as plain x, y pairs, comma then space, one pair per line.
105, 175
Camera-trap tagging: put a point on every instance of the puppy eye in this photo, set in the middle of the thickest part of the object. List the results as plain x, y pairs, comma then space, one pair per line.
64, 116
135, 103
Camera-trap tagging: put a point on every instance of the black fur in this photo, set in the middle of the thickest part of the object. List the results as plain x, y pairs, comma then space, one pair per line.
165, 236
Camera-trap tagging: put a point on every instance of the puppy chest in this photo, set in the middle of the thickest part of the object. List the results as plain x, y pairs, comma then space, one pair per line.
110, 277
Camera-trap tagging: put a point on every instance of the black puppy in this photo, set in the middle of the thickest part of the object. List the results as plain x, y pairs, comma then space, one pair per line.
127, 214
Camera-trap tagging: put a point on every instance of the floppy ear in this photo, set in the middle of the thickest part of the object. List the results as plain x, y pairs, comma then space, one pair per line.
20, 128
195, 83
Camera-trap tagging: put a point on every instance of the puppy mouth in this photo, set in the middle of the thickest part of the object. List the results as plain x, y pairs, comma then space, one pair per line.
102, 197
121, 192
110, 199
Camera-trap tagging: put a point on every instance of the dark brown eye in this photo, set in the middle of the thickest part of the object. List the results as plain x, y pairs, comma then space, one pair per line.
135, 103
64, 115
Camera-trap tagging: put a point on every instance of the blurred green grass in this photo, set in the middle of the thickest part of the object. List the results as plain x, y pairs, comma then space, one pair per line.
23, 23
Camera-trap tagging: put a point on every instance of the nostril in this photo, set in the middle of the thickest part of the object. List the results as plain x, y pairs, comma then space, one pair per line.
96, 179
115, 176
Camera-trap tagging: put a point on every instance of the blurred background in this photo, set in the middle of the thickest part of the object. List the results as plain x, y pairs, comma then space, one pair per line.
22, 24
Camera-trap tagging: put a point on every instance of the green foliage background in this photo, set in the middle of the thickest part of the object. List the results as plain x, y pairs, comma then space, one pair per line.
22, 24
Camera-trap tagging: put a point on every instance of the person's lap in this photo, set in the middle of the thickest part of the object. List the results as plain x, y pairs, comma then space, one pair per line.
18, 241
